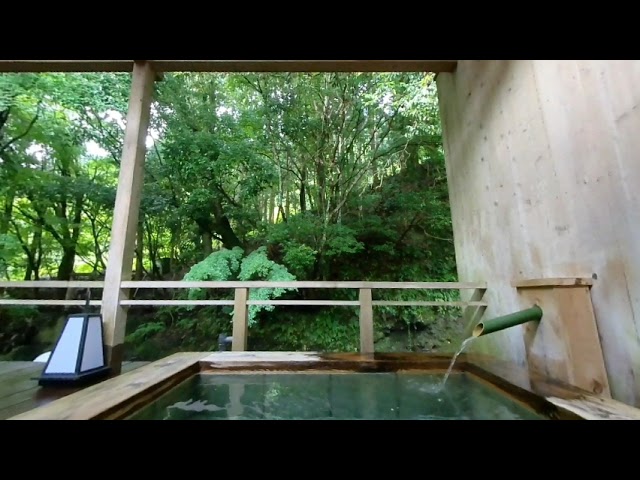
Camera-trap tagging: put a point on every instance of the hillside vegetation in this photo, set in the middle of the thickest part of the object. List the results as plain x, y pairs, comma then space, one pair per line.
248, 176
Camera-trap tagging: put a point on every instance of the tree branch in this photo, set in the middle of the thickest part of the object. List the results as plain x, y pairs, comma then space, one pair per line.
45, 225
25, 133
434, 237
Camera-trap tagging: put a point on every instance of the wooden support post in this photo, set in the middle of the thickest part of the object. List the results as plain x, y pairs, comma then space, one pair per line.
240, 320
125, 216
366, 321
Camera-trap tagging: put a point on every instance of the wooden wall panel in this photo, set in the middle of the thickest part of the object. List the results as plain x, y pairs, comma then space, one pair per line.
542, 166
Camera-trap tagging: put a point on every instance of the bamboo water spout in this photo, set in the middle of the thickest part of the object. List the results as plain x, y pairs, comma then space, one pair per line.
507, 321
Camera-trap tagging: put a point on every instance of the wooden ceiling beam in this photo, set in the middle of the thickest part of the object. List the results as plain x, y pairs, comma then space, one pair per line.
435, 66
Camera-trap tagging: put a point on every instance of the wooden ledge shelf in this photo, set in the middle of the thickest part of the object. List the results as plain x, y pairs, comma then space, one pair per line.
553, 282
565, 344
594, 408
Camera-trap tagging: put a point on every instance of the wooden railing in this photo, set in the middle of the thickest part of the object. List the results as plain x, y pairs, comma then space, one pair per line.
241, 300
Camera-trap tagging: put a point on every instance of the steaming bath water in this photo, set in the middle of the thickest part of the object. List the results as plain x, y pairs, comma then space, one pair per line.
334, 396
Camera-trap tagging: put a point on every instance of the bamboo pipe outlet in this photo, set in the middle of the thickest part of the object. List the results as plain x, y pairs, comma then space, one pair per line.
507, 321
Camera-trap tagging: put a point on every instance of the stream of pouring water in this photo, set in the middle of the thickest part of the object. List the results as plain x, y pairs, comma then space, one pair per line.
453, 360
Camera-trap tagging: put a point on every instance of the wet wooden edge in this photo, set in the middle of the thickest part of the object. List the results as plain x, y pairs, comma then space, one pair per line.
568, 398
322, 363
135, 390
380, 363
383, 363
142, 399
520, 395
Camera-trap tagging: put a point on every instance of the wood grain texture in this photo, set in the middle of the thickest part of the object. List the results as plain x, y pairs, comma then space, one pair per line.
342, 303
366, 321
592, 408
244, 357
49, 302
52, 284
108, 397
7, 367
553, 282
240, 320
126, 210
118, 397
307, 284
128, 284
20, 392
572, 402
542, 166
333, 303
565, 344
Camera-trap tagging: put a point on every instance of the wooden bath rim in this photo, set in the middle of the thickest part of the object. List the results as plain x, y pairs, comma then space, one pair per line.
119, 397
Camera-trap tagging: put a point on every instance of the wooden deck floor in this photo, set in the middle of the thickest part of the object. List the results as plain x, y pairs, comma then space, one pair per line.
19, 390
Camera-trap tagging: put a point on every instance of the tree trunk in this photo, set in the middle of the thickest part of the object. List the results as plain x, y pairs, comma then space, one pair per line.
65, 268
413, 158
303, 191
287, 204
207, 244
97, 249
174, 244
7, 212
229, 237
29, 269
271, 207
321, 188
34, 256
223, 227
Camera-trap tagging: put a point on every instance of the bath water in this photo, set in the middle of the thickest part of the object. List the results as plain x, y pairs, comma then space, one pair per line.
334, 396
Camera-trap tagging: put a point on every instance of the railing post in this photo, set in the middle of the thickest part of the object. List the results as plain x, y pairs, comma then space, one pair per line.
472, 314
366, 321
240, 320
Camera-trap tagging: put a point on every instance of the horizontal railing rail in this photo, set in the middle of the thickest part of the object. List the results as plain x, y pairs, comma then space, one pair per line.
306, 284
53, 284
241, 300
249, 284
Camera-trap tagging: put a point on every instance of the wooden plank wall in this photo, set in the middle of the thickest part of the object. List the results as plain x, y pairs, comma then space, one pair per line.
542, 166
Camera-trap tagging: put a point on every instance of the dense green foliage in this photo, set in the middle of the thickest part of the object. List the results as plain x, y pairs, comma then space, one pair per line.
248, 177
230, 265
